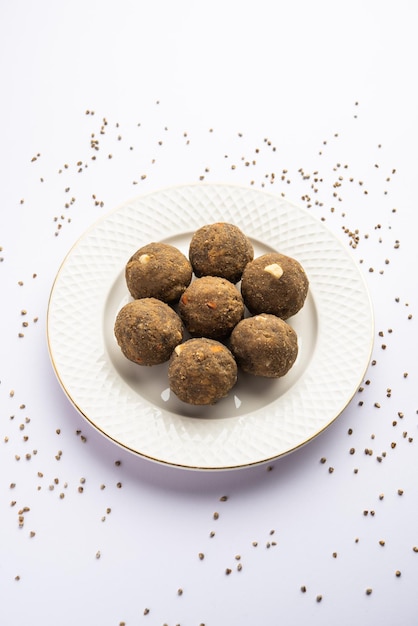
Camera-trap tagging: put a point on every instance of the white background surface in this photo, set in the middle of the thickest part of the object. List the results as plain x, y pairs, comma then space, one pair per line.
313, 100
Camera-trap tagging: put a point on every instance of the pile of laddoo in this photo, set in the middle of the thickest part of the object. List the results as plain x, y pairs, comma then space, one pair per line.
210, 315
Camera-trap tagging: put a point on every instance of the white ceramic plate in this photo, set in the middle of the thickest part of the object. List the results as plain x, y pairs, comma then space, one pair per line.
261, 419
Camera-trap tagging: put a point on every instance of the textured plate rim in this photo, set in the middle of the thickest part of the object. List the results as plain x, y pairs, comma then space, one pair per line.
361, 284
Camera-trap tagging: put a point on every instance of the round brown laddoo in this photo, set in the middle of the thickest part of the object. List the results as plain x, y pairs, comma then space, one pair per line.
220, 249
274, 283
210, 307
201, 371
264, 345
147, 331
158, 270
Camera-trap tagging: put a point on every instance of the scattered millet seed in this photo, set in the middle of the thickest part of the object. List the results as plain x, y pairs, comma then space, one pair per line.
223, 498
239, 567
216, 515
180, 592
201, 556
382, 542
146, 611
255, 544
98, 554
415, 548
212, 533
228, 571
330, 470
369, 591
398, 574
303, 589
319, 598
323, 460
400, 492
